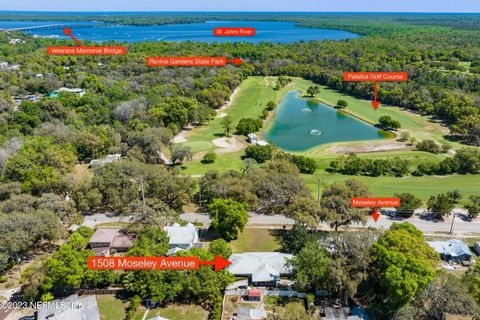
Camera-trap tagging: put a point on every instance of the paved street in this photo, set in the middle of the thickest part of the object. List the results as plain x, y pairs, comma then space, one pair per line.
99, 218
427, 226
385, 222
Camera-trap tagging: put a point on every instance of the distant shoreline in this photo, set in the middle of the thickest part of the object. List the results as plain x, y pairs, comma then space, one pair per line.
240, 12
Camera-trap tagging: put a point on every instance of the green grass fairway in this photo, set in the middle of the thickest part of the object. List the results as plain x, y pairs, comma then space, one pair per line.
422, 187
251, 99
255, 240
255, 92
419, 127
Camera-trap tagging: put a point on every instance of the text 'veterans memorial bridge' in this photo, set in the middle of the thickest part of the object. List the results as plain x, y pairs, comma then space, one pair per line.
49, 27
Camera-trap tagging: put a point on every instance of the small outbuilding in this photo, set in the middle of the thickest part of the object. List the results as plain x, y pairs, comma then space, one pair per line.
252, 138
254, 295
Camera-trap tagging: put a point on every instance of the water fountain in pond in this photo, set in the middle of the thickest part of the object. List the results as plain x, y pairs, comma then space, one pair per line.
306, 110
315, 132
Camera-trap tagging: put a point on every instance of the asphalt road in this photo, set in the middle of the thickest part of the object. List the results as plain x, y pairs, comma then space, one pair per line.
427, 226
384, 222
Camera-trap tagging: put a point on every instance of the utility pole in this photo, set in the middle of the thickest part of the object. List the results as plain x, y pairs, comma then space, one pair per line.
200, 195
143, 190
453, 220
19, 265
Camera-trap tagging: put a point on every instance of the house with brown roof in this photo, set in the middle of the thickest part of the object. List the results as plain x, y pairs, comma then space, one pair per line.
107, 241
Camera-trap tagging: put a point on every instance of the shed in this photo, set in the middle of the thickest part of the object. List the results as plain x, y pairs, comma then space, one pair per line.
254, 295
252, 138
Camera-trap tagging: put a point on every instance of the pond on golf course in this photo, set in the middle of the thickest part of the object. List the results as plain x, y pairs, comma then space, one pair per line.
301, 124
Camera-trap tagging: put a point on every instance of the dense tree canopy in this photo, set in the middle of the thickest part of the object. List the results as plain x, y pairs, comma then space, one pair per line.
404, 264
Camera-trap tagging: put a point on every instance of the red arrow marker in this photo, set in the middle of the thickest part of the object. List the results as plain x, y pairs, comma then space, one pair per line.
219, 263
68, 32
375, 215
236, 61
375, 103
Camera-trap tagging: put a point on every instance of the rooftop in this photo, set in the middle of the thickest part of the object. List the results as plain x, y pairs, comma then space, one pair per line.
451, 247
104, 235
262, 266
73, 308
185, 235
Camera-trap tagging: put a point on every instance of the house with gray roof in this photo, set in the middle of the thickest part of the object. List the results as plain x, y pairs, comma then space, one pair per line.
244, 313
181, 237
452, 250
71, 308
261, 268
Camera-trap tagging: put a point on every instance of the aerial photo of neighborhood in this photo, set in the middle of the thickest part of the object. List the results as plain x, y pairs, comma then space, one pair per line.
253, 160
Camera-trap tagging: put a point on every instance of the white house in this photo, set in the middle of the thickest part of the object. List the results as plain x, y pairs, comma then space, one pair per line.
181, 237
108, 159
261, 268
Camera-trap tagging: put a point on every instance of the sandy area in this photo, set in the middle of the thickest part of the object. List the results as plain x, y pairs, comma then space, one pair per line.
220, 113
182, 136
368, 147
228, 145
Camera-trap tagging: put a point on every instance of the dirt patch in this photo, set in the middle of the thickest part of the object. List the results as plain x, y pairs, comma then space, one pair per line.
220, 113
369, 147
228, 145
199, 155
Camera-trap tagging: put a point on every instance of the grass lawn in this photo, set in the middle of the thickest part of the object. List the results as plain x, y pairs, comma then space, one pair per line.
255, 240
419, 127
179, 312
112, 225
111, 307
250, 101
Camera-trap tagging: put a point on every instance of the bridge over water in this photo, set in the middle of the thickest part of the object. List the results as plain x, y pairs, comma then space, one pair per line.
50, 27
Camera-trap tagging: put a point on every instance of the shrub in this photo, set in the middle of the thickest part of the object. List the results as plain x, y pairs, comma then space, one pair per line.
264, 114
342, 104
387, 122
404, 137
248, 125
3, 279
271, 105
210, 157
259, 153
304, 164
428, 146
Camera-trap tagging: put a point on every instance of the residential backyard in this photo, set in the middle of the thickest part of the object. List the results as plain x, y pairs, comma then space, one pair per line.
255, 240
